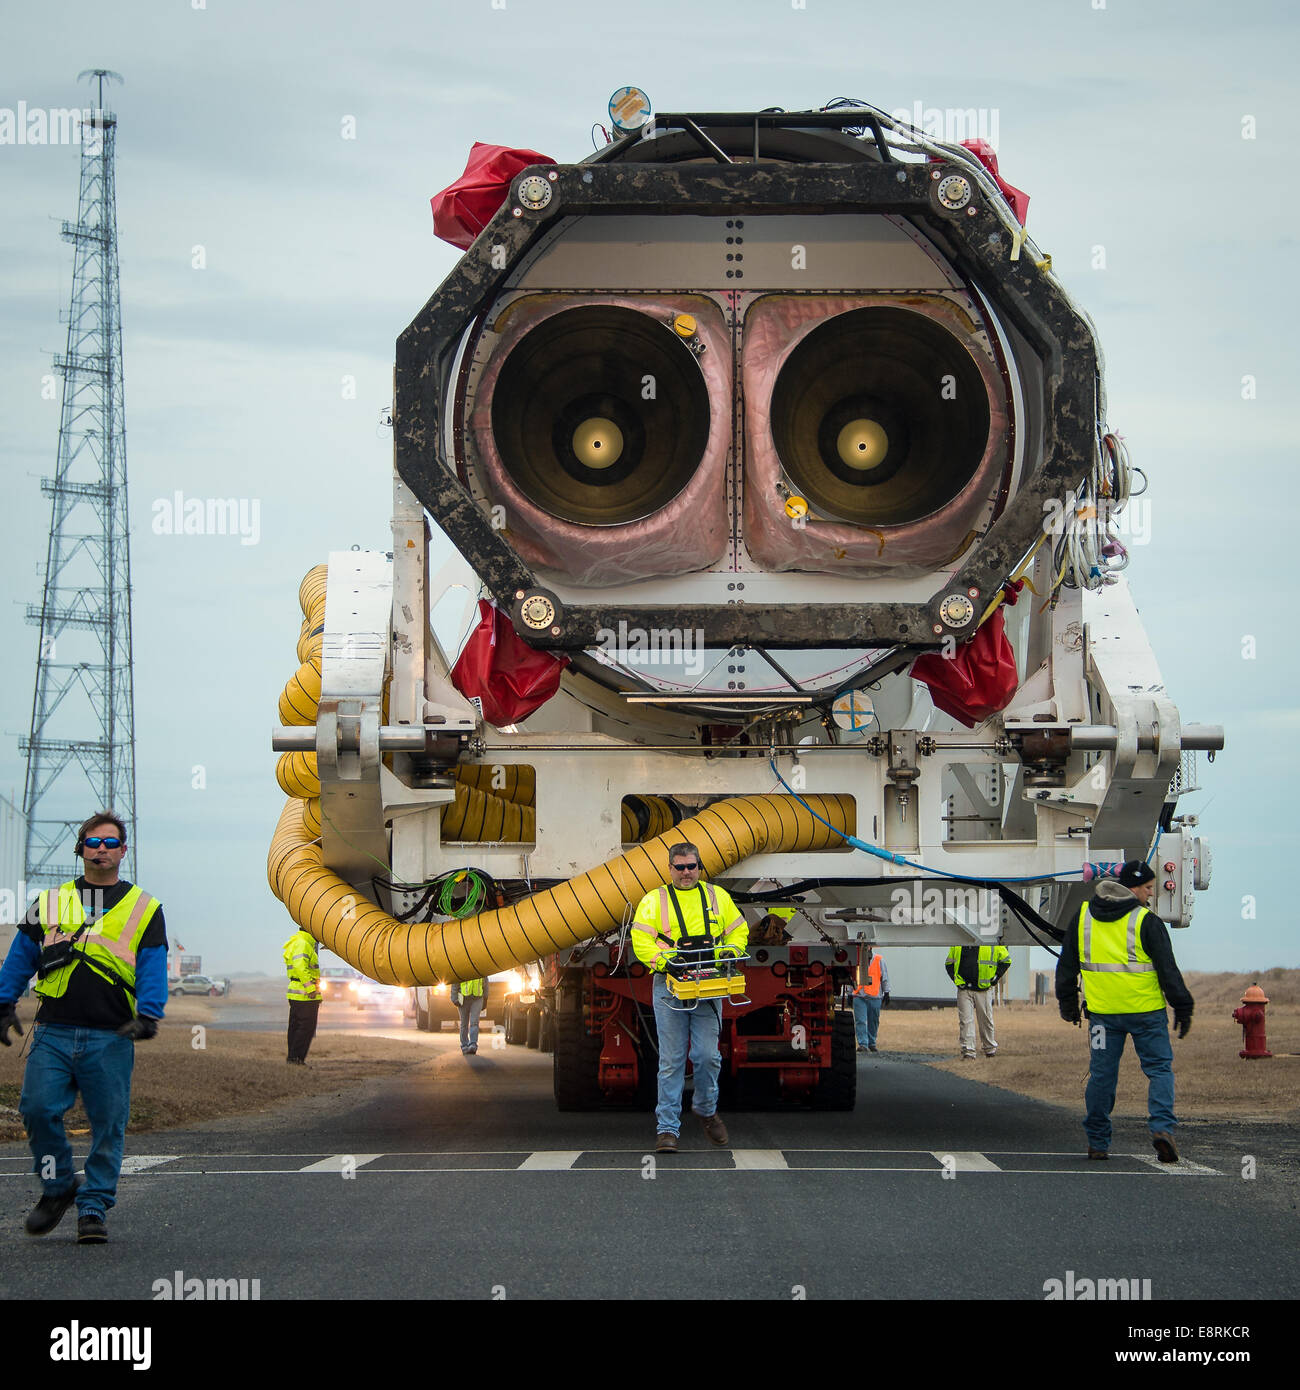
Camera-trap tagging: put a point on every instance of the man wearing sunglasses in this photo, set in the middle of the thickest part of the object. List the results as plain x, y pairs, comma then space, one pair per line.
98, 947
683, 922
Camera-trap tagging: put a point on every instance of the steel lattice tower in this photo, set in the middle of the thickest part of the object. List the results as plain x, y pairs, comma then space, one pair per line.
81, 748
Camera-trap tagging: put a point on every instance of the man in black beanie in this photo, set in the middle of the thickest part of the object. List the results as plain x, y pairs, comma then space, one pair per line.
1122, 950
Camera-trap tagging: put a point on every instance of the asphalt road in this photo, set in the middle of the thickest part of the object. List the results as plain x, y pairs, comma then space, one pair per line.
460, 1179
257, 1017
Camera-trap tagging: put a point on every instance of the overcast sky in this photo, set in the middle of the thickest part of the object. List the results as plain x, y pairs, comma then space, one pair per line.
1125, 123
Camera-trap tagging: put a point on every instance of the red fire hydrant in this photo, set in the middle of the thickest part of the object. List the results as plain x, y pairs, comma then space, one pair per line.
1251, 1018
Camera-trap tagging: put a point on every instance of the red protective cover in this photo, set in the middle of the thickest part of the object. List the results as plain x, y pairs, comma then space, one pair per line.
978, 680
499, 668
463, 209
987, 156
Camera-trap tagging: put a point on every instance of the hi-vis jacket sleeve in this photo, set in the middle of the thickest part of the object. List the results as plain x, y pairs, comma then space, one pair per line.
650, 939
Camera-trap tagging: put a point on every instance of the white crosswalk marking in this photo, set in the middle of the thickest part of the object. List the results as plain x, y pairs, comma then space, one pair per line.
140, 1163
338, 1163
966, 1162
1184, 1166
793, 1159
754, 1159
552, 1159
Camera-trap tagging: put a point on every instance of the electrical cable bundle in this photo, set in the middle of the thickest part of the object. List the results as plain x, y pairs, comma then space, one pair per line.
1089, 555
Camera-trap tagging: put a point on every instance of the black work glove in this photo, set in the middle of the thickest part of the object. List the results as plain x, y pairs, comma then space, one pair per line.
139, 1028
1070, 1011
885, 998
8, 1020
1182, 1021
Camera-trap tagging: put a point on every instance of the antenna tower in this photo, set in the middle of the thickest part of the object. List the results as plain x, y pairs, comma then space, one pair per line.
81, 748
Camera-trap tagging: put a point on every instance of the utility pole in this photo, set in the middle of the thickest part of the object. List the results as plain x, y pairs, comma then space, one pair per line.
81, 748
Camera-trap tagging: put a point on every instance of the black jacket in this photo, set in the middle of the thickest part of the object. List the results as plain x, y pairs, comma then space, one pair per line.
1108, 906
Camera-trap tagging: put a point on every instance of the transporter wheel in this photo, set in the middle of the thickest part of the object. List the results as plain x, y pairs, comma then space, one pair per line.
575, 1063
838, 1088
532, 1025
516, 1026
422, 1018
754, 1088
546, 1030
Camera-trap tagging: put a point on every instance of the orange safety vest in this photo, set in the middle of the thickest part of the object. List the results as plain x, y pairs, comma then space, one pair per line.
871, 989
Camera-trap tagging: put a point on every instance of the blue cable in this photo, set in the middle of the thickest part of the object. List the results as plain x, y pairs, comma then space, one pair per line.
1160, 830
902, 859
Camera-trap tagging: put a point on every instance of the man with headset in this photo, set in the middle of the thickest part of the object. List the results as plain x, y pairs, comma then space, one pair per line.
682, 923
98, 947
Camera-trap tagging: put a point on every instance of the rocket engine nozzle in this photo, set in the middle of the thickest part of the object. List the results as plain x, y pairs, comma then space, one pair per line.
600, 415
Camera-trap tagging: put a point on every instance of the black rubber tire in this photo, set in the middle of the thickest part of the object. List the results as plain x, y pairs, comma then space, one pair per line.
533, 1025
838, 1088
516, 1024
422, 1019
575, 1064
546, 1030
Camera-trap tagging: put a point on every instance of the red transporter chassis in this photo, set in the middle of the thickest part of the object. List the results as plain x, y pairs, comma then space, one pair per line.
788, 1043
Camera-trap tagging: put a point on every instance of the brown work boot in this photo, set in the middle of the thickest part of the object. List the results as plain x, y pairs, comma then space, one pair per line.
1098, 1153
715, 1129
666, 1144
1163, 1144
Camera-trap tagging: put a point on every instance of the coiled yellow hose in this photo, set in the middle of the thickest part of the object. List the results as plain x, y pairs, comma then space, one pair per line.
511, 781
659, 813
478, 815
403, 953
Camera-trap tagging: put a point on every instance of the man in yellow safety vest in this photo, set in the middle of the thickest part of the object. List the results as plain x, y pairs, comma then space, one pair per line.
302, 965
1122, 950
687, 922
98, 947
975, 970
469, 997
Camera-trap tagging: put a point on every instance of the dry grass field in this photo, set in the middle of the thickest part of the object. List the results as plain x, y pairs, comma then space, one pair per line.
239, 1073
234, 1073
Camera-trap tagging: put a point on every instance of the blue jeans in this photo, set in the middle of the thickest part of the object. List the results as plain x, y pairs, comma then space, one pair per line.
471, 1005
97, 1063
697, 1029
866, 1018
1150, 1032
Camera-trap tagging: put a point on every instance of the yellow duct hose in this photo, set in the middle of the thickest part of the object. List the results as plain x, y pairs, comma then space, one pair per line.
511, 781
311, 593
476, 815
660, 817
402, 953
300, 699
297, 775
310, 641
